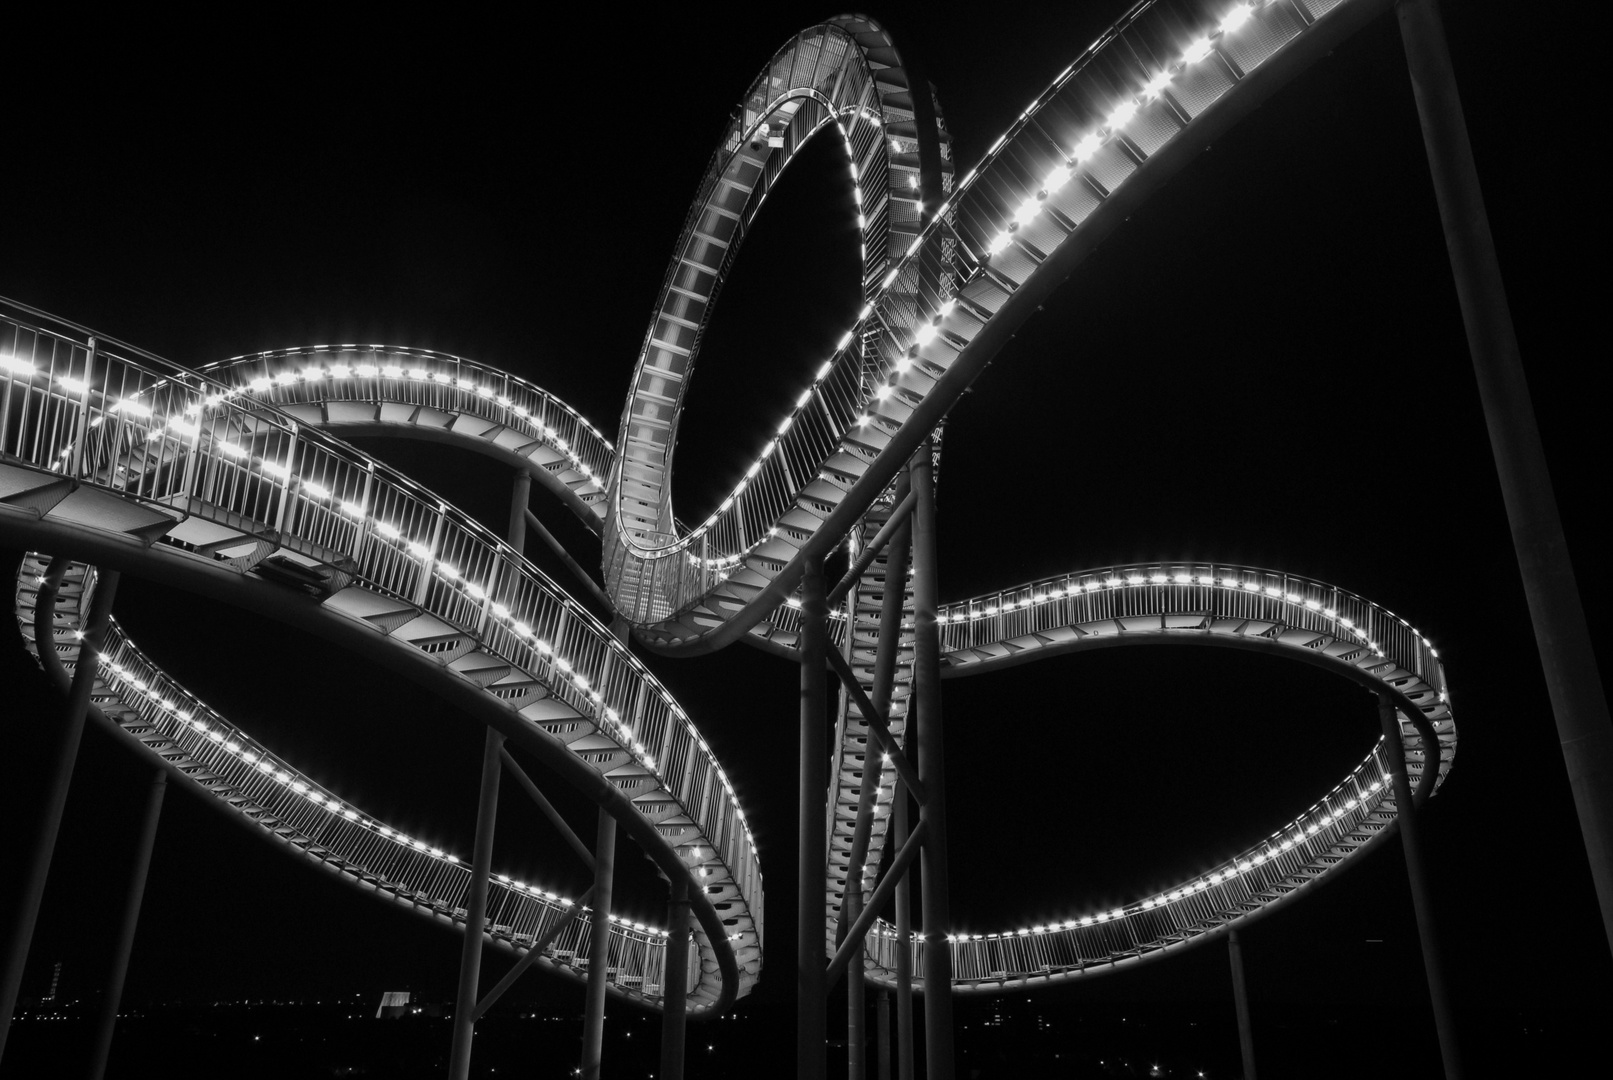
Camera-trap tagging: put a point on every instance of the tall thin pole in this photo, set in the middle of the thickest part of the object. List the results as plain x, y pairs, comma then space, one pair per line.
106, 1024
904, 935
1240, 996
1417, 872
593, 1021
470, 953
856, 992
675, 980
932, 771
811, 1011
1575, 686
882, 1003
21, 934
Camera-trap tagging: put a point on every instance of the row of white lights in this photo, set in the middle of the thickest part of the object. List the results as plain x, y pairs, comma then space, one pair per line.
229, 739
951, 613
1028, 210
265, 384
394, 351
225, 736
443, 570
1298, 832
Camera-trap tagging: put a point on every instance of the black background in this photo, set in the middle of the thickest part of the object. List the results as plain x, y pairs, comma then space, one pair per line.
1265, 365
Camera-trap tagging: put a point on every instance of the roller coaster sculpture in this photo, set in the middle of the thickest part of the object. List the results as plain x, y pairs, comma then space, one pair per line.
232, 480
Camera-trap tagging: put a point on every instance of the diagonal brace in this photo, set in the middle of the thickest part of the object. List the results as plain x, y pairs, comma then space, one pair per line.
876, 724
547, 807
532, 954
571, 564
871, 552
887, 885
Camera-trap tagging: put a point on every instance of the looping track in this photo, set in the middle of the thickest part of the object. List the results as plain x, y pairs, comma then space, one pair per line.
231, 480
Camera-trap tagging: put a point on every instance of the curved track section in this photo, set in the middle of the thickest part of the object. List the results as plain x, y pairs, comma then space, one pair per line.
1217, 605
848, 75
151, 713
150, 467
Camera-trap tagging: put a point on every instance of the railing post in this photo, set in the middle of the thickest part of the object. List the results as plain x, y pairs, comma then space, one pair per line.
428, 562
1578, 700
61, 777
811, 1009
932, 772
1240, 997
674, 980
107, 1022
593, 1021
284, 515
470, 955
1416, 871
81, 425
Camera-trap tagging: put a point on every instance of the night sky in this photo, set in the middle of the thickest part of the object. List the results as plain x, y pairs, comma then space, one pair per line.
1265, 365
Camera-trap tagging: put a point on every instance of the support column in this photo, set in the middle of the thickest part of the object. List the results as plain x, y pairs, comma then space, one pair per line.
1240, 996
593, 1021
470, 953
811, 1010
904, 934
1578, 700
675, 981
882, 1006
932, 772
21, 932
520, 497
1416, 871
106, 1024
856, 998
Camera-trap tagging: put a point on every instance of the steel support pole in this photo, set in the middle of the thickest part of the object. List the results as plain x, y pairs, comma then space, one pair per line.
21, 933
520, 496
106, 1024
856, 994
470, 953
593, 1021
675, 980
1417, 872
882, 1008
811, 1010
1578, 700
932, 771
904, 935
1240, 997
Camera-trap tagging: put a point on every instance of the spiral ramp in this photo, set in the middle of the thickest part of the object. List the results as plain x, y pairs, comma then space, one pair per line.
232, 479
